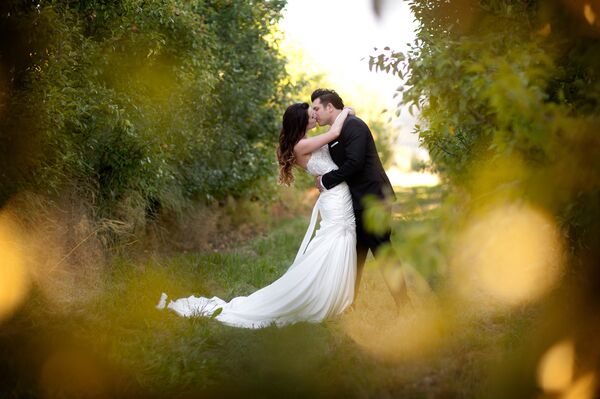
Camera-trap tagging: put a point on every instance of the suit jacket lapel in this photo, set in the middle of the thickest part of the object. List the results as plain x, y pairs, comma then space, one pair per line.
337, 151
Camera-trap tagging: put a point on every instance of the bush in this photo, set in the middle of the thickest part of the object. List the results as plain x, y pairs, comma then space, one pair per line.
140, 105
508, 96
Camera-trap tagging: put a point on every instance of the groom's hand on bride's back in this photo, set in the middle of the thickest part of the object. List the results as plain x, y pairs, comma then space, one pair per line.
318, 184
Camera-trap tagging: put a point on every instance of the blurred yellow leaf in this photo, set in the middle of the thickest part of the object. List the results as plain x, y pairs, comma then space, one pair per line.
583, 388
545, 31
589, 14
555, 371
13, 275
512, 253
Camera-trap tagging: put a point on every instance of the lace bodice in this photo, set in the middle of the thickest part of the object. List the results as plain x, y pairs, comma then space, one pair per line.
320, 162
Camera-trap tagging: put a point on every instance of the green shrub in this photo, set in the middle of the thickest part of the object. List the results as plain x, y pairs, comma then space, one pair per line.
140, 104
508, 97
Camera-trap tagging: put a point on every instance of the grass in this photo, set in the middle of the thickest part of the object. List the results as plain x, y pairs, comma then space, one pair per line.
119, 345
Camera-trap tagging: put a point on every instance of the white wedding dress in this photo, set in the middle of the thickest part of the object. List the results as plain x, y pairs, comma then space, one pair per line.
318, 285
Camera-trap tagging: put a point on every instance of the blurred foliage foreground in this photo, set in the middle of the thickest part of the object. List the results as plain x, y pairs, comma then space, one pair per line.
508, 96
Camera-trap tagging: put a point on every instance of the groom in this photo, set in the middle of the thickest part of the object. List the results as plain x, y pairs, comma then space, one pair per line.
359, 166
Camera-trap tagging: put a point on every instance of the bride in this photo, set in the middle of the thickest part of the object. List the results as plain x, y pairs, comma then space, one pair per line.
320, 282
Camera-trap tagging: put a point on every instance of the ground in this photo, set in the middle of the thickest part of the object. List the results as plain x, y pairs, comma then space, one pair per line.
118, 344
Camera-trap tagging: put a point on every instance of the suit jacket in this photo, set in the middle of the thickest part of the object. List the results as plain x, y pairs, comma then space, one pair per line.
359, 165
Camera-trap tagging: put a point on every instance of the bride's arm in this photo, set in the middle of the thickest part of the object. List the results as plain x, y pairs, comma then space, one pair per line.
310, 144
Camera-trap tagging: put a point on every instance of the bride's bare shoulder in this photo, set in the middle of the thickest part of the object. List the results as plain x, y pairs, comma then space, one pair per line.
301, 155
302, 159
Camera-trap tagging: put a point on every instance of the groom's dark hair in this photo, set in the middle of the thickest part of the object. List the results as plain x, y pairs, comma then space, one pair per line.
328, 97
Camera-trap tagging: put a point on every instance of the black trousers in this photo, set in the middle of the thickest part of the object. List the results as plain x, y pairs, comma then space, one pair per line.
364, 242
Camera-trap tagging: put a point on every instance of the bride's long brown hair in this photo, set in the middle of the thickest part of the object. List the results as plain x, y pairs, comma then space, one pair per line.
295, 120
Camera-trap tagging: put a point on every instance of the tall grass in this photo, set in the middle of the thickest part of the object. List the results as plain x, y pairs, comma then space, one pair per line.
119, 345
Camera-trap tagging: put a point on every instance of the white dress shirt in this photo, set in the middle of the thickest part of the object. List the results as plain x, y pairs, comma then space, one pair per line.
321, 177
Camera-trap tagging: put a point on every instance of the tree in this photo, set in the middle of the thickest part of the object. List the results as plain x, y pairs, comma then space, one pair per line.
508, 95
136, 105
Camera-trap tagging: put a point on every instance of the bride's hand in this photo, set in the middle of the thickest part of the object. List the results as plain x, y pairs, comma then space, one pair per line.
336, 128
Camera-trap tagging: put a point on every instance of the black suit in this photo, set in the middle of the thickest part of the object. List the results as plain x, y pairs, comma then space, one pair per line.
359, 165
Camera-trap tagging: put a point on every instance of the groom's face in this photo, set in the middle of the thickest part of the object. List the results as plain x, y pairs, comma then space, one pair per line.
321, 113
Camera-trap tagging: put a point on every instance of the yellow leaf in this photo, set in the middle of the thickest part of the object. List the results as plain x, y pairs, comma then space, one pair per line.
555, 371
545, 31
583, 388
589, 14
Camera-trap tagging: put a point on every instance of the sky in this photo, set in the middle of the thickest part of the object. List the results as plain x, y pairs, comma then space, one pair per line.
337, 37
344, 35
